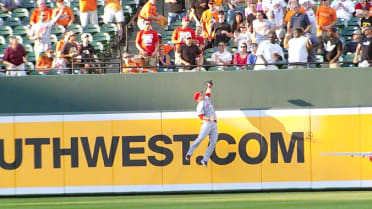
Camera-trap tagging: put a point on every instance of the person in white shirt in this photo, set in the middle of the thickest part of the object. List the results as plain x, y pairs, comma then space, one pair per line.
344, 9
40, 32
268, 52
298, 48
261, 27
222, 56
276, 10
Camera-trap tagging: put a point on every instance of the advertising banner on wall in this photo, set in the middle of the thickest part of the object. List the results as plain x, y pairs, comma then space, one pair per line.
145, 152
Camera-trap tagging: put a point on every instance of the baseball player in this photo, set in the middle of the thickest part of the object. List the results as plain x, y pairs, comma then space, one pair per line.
206, 113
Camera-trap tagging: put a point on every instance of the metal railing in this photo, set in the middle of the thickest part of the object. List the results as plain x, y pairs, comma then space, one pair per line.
114, 64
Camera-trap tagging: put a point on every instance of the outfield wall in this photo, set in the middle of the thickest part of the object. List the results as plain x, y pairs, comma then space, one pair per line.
144, 152
173, 91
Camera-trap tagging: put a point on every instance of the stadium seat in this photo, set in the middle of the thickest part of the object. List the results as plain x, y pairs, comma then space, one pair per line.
102, 37
20, 13
55, 72
36, 73
354, 21
30, 66
92, 28
28, 47
31, 57
75, 28
340, 23
28, 4
110, 27
53, 38
5, 15
98, 46
20, 30
13, 21
3, 40
20, 39
215, 69
58, 29
348, 31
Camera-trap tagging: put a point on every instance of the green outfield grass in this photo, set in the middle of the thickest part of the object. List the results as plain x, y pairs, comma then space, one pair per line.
277, 200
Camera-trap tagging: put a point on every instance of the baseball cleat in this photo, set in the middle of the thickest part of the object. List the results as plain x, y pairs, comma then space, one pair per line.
187, 157
204, 163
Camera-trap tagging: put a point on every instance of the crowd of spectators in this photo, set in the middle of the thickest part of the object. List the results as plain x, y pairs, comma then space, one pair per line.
205, 35
70, 48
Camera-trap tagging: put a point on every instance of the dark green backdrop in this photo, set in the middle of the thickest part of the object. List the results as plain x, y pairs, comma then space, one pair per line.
174, 91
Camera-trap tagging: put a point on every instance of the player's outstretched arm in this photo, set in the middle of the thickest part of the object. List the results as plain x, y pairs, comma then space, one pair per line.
209, 88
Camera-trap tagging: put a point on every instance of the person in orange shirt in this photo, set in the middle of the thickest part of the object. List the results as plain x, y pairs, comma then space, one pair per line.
135, 64
167, 47
88, 12
147, 43
44, 62
209, 17
67, 17
179, 35
41, 7
325, 18
219, 4
148, 12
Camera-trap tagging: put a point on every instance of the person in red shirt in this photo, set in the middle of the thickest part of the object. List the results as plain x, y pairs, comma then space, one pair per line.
41, 7
147, 43
179, 35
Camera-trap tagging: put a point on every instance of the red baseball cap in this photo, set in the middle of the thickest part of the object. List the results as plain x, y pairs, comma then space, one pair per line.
197, 95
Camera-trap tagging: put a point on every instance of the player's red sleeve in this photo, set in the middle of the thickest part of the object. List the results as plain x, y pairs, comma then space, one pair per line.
208, 94
201, 116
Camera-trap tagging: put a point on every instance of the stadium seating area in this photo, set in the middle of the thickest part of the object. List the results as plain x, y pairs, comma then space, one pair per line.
15, 23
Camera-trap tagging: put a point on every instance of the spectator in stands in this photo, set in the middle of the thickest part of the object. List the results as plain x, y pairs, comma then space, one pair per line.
238, 21
113, 10
299, 20
40, 32
134, 62
176, 10
9, 5
88, 55
148, 12
359, 8
332, 46
241, 57
181, 33
219, 4
164, 60
15, 57
147, 43
88, 12
200, 41
365, 21
209, 17
45, 61
197, 9
167, 47
298, 48
67, 18
325, 18
310, 6
351, 47
41, 7
188, 56
344, 8
364, 49
222, 56
221, 31
261, 28
268, 52
252, 57
243, 36
276, 12
70, 50
251, 16
288, 15
235, 7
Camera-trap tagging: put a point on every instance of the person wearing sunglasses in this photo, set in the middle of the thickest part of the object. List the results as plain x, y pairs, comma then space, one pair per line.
241, 57
41, 31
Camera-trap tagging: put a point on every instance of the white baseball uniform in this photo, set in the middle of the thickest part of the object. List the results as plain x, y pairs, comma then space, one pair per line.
208, 128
